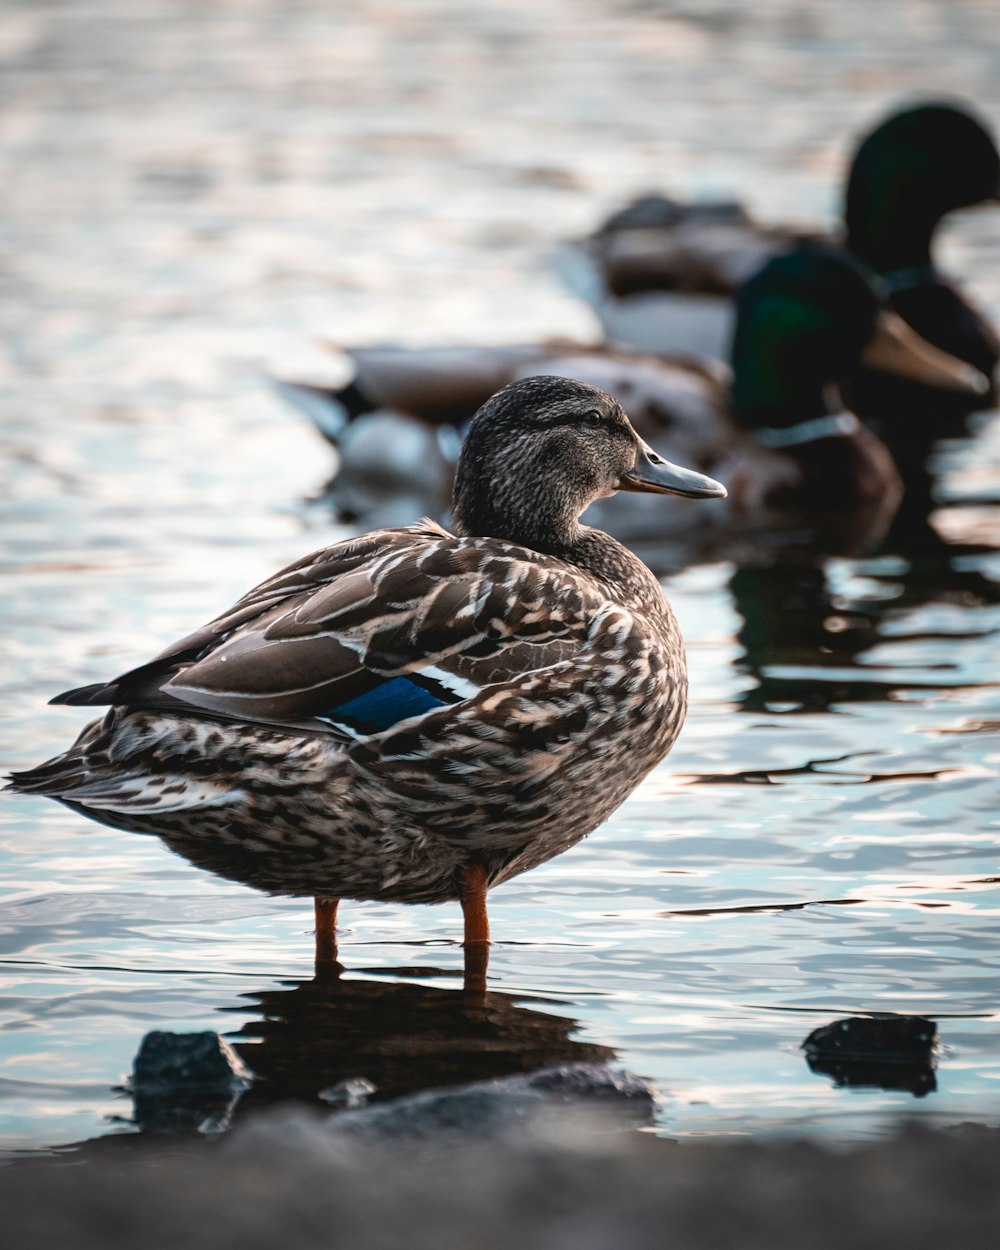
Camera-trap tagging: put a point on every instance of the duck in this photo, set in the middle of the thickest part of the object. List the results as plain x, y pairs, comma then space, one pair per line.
662, 274
916, 167
774, 419
397, 425
416, 714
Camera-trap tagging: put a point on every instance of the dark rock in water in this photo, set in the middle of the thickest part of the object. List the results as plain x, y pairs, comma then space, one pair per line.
888, 1039
592, 1083
882, 1052
186, 1082
489, 1107
172, 1061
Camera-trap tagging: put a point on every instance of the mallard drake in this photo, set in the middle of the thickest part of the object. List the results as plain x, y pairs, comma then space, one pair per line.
777, 422
661, 274
414, 714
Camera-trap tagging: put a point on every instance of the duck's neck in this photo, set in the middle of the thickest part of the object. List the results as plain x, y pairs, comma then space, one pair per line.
606, 558
554, 530
777, 380
779, 408
892, 209
892, 237
544, 521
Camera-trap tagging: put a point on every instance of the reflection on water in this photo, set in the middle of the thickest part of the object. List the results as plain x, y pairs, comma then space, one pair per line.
789, 621
401, 1036
305, 1039
821, 844
795, 617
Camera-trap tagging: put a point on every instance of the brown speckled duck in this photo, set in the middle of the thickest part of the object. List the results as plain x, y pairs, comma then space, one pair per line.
415, 714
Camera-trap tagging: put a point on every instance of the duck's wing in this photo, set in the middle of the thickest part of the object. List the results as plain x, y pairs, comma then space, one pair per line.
364, 634
438, 385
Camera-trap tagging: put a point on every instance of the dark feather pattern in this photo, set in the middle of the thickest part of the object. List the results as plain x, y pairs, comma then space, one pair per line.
387, 710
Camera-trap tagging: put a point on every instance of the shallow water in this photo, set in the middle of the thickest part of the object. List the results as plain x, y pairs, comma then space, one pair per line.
194, 192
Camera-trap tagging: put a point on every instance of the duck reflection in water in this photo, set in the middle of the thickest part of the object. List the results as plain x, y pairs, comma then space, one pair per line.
310, 1041
803, 639
400, 1036
791, 620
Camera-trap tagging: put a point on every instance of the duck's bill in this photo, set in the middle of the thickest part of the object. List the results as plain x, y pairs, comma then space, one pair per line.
896, 348
657, 476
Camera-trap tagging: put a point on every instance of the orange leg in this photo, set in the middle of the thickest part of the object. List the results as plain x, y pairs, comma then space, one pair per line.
472, 892
477, 960
326, 930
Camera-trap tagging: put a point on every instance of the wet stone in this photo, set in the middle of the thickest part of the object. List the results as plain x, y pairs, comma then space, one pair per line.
492, 1107
186, 1083
168, 1062
349, 1094
876, 1052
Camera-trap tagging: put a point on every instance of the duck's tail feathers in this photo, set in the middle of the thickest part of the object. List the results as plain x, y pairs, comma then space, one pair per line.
101, 694
50, 778
134, 793
65, 773
100, 772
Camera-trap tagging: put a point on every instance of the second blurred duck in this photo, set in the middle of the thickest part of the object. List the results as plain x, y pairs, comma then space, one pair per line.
661, 274
779, 434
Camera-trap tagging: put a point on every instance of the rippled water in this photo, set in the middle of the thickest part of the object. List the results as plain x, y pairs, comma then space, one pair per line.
194, 190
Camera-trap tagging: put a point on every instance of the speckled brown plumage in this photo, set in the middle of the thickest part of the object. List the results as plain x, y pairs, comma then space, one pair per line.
388, 711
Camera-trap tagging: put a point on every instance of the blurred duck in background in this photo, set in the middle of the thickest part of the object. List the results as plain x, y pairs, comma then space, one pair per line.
661, 274
912, 170
775, 429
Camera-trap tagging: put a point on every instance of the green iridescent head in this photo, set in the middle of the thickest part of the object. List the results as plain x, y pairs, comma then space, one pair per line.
912, 169
802, 323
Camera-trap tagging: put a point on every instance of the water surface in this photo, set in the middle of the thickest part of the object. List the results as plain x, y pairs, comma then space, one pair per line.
195, 192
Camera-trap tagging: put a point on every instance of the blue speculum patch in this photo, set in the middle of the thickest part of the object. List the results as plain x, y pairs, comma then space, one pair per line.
375, 710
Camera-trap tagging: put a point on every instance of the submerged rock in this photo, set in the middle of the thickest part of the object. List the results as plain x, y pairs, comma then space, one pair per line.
186, 1082
881, 1052
350, 1094
170, 1061
491, 1107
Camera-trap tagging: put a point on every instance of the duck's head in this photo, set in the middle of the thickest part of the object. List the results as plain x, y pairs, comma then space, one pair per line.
805, 322
912, 169
542, 449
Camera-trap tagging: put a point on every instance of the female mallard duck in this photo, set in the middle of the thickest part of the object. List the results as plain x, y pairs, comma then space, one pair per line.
414, 714
803, 325
661, 274
397, 425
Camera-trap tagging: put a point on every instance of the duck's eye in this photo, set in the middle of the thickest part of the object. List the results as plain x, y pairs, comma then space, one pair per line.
592, 418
